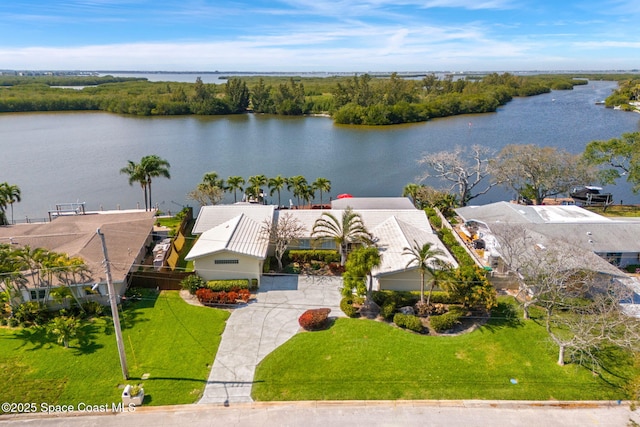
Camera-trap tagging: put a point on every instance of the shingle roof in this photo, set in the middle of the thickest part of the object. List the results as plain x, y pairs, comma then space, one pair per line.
125, 234
241, 234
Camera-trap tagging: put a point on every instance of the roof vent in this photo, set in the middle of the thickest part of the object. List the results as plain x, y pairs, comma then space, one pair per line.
589, 233
591, 241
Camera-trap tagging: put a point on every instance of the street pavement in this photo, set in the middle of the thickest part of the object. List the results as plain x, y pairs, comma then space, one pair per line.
254, 331
353, 414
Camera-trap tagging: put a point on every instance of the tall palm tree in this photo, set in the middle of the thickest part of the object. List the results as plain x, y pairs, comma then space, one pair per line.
136, 174
427, 261
276, 185
298, 185
235, 183
348, 229
153, 166
321, 185
213, 179
9, 194
255, 182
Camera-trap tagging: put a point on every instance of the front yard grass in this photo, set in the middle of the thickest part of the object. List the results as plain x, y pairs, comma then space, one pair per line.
172, 341
361, 360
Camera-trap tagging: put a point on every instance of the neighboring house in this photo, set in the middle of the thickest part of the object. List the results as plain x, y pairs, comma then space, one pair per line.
232, 246
128, 235
614, 240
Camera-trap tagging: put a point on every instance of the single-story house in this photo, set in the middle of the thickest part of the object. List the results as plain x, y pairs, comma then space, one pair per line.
232, 243
127, 234
614, 240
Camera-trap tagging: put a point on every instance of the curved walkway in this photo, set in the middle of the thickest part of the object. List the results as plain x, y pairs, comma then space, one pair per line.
256, 330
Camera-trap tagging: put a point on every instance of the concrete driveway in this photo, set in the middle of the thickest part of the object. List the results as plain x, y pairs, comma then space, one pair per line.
256, 330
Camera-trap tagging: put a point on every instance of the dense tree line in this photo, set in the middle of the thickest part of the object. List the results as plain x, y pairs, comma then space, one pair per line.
361, 99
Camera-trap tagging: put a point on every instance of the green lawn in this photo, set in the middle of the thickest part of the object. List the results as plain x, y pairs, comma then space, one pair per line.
362, 359
175, 343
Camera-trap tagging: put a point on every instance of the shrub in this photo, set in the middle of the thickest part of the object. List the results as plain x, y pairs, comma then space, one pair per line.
228, 285
346, 305
254, 284
410, 322
314, 319
30, 312
292, 269
4, 321
93, 308
244, 295
388, 308
232, 297
192, 283
205, 295
12, 322
446, 321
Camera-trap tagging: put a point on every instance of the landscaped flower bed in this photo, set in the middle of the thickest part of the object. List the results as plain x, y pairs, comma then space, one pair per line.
209, 297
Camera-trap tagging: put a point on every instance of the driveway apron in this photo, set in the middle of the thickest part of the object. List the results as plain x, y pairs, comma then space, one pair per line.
257, 329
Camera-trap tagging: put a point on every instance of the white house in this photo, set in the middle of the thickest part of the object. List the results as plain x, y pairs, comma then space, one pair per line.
232, 244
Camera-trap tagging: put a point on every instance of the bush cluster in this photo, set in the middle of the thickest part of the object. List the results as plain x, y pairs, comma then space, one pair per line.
410, 322
346, 305
207, 296
446, 321
192, 283
314, 319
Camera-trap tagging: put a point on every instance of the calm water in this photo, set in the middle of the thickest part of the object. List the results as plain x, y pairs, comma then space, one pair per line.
69, 157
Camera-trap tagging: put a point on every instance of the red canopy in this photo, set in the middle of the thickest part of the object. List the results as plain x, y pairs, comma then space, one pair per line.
344, 196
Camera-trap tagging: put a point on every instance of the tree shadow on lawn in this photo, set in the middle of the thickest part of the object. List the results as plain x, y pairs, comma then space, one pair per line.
36, 336
133, 312
87, 339
505, 315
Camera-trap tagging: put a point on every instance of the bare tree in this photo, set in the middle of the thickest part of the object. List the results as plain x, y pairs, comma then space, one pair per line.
582, 307
467, 169
282, 232
536, 172
206, 194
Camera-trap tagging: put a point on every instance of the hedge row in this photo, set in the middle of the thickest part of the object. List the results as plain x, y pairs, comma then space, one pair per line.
228, 285
308, 255
408, 321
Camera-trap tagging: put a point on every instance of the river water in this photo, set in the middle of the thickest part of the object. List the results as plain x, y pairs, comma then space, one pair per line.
70, 157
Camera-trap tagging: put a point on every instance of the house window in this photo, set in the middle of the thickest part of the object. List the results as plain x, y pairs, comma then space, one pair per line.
38, 294
614, 257
227, 261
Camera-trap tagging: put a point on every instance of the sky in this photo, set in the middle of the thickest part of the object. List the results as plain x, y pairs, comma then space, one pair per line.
320, 35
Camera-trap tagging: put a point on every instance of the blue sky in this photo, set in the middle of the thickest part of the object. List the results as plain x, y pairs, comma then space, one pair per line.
320, 35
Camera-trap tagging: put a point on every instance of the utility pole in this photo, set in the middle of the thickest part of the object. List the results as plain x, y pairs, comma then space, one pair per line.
114, 309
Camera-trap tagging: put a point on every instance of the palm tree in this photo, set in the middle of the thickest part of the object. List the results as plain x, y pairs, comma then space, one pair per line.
136, 174
153, 166
9, 194
213, 180
255, 182
427, 261
235, 183
411, 190
349, 229
298, 185
276, 185
321, 185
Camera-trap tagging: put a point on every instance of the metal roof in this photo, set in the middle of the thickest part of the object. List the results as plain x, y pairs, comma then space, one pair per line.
394, 236
212, 216
540, 214
241, 234
361, 203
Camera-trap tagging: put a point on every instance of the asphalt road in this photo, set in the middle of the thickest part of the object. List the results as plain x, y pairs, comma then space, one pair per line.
351, 413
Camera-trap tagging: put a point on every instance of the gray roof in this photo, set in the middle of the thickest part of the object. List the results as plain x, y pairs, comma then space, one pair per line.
540, 214
360, 203
212, 216
571, 224
241, 235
